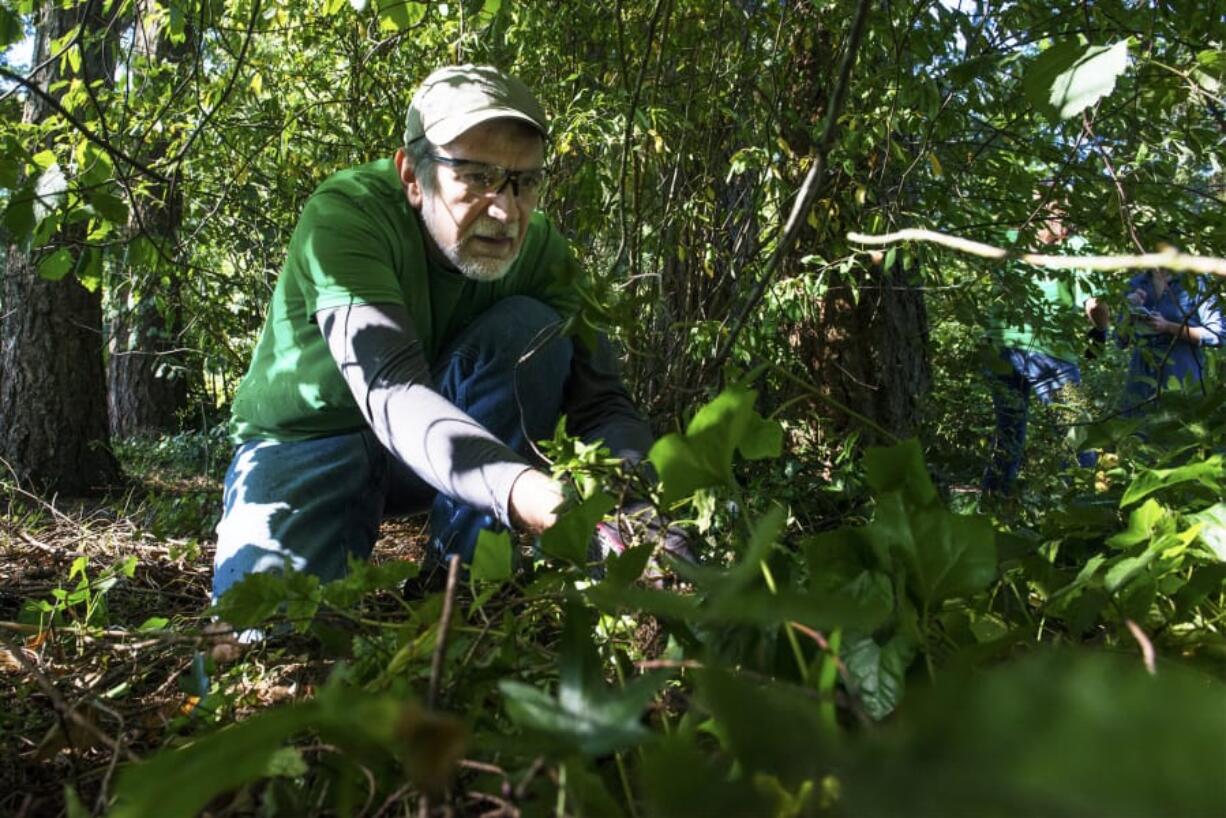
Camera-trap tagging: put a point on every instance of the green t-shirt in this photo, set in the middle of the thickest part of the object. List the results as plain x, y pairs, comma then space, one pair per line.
1052, 296
359, 242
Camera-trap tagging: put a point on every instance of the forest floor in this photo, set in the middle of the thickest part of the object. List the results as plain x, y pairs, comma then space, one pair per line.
79, 700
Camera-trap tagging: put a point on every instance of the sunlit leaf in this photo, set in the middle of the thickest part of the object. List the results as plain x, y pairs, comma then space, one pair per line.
56, 265
702, 457
1208, 473
568, 539
492, 559
1212, 528
1068, 78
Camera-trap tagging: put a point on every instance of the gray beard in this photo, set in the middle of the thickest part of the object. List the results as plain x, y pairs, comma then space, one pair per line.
484, 270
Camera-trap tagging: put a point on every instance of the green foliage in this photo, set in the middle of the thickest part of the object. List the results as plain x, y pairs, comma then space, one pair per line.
82, 603
702, 457
1069, 77
586, 715
681, 132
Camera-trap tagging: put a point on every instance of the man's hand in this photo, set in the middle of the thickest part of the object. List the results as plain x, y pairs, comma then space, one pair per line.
535, 498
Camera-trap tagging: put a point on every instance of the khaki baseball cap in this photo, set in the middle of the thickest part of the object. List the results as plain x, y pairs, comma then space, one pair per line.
458, 97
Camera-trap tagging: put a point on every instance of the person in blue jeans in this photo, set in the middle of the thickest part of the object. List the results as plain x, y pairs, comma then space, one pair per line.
1170, 318
415, 346
1031, 362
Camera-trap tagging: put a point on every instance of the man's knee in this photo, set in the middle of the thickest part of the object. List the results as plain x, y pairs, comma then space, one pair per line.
526, 331
305, 505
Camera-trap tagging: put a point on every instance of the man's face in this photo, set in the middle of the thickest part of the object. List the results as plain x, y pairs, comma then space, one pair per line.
480, 232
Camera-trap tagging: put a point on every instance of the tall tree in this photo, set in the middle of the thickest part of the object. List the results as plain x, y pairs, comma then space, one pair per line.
53, 422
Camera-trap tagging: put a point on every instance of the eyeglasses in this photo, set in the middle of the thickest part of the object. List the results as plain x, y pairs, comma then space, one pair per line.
483, 179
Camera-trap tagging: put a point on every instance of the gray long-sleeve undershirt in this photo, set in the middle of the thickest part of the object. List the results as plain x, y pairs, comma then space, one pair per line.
381, 359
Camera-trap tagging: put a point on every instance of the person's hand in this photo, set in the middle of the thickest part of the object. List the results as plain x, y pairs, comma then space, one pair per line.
1156, 323
535, 498
1136, 297
1098, 312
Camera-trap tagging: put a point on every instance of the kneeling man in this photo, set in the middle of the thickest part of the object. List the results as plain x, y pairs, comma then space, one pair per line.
413, 349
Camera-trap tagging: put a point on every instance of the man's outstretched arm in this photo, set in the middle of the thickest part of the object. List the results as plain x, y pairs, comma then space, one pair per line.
380, 357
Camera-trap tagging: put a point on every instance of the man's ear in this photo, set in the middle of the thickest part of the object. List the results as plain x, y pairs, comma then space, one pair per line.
408, 177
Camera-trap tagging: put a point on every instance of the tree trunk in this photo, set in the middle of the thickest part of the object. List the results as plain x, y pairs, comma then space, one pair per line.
867, 351
147, 381
53, 422
865, 343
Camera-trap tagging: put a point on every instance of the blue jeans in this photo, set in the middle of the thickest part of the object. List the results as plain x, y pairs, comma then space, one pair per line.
1024, 373
311, 504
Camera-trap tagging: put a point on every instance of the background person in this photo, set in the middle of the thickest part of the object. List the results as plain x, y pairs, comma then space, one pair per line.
1168, 321
1029, 361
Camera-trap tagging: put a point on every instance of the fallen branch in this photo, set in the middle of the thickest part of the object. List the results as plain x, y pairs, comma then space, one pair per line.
440, 654
66, 712
1167, 259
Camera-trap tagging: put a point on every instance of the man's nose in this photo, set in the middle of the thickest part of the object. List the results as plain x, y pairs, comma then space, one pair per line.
502, 206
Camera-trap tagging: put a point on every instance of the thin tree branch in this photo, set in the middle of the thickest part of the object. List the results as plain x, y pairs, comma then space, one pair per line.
111, 150
628, 137
225, 94
1166, 260
810, 187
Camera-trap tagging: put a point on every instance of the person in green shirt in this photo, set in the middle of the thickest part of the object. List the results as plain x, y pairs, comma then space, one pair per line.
414, 348
1029, 361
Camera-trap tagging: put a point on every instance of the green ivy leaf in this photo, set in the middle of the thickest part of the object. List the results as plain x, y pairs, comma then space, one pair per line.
769, 727
947, 555
363, 577
56, 265
110, 207
1212, 528
252, 600
1026, 738
11, 29
286, 762
879, 671
303, 595
398, 15
178, 784
88, 269
568, 539
492, 559
1208, 473
702, 457
177, 24
1127, 568
10, 170
1143, 523
683, 781
623, 569
587, 715
19, 214
900, 468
